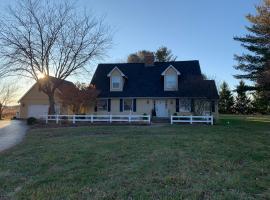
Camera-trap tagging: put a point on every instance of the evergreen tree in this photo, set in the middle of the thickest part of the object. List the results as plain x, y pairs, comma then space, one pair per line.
163, 54
242, 102
260, 103
255, 65
226, 100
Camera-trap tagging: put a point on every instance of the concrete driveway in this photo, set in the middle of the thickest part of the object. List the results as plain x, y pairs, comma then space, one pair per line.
11, 133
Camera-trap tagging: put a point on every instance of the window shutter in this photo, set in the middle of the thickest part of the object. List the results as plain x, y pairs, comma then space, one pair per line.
121, 105
213, 106
96, 108
109, 105
177, 105
192, 105
134, 105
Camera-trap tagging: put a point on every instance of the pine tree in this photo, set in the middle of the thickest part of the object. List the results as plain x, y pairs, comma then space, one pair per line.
242, 102
260, 103
163, 54
255, 65
226, 100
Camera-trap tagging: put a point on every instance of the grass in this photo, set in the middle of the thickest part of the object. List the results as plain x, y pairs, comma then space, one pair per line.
228, 161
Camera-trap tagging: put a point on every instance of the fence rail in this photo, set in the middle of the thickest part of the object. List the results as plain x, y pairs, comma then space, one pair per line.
192, 119
97, 118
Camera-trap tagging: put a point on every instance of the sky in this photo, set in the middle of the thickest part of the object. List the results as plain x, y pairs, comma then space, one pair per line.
193, 29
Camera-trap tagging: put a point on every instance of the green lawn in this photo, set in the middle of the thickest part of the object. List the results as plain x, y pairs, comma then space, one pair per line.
228, 161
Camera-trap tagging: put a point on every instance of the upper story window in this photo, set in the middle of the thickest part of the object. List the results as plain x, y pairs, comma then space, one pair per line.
170, 78
171, 82
117, 79
116, 82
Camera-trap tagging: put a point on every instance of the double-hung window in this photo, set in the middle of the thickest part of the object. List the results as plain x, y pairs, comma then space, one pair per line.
170, 82
116, 82
185, 105
102, 105
127, 105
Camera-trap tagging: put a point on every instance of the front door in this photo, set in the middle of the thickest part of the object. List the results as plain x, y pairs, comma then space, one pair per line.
161, 109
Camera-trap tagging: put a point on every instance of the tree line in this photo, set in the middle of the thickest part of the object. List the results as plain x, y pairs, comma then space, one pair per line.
239, 101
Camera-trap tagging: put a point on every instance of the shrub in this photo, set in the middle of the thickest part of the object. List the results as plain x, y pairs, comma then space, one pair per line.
31, 121
174, 114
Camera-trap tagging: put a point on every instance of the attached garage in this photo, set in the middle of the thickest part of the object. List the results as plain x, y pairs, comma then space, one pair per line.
35, 103
37, 110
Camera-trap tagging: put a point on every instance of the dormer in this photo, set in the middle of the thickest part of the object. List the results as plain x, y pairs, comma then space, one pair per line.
170, 75
117, 79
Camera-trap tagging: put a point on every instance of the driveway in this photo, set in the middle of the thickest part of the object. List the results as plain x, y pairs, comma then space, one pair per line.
11, 133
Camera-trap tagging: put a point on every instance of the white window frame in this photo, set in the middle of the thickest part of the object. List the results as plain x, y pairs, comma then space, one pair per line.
174, 86
131, 108
98, 108
182, 105
116, 79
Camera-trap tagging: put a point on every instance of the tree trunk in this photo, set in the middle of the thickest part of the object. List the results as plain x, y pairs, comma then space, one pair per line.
1, 111
51, 110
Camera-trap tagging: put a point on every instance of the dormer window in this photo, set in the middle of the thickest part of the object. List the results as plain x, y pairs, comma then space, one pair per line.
170, 78
117, 79
171, 82
116, 82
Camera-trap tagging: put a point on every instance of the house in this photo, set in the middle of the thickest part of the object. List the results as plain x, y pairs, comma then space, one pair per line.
35, 103
159, 89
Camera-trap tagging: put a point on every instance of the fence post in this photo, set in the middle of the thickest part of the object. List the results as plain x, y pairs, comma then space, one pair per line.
92, 119
57, 119
110, 118
171, 119
129, 118
149, 119
212, 120
74, 120
191, 119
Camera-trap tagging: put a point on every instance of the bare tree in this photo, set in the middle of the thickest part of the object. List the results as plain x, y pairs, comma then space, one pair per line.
78, 97
44, 38
7, 95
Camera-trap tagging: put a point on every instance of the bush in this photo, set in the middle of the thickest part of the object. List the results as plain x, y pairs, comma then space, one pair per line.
31, 121
174, 114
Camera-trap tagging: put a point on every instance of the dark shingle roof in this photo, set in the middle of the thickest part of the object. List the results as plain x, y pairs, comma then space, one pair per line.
146, 81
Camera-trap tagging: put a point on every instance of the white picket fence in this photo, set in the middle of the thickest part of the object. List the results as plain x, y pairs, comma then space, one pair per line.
97, 118
192, 119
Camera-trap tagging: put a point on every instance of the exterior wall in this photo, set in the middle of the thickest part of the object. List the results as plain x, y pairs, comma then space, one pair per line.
36, 97
171, 71
116, 73
145, 105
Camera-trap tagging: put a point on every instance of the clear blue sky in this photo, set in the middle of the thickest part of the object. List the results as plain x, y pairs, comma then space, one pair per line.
194, 29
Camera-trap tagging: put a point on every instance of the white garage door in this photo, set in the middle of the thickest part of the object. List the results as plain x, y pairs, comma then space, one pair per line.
37, 110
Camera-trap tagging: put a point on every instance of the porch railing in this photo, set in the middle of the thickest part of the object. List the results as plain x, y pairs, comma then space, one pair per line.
97, 118
192, 119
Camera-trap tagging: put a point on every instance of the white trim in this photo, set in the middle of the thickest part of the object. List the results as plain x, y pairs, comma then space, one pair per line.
116, 68
164, 72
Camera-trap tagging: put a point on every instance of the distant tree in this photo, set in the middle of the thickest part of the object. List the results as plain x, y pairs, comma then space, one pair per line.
255, 65
260, 104
134, 58
226, 100
142, 56
7, 95
163, 54
78, 97
51, 39
242, 101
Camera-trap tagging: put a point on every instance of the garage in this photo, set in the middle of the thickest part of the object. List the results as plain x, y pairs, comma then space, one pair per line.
37, 110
